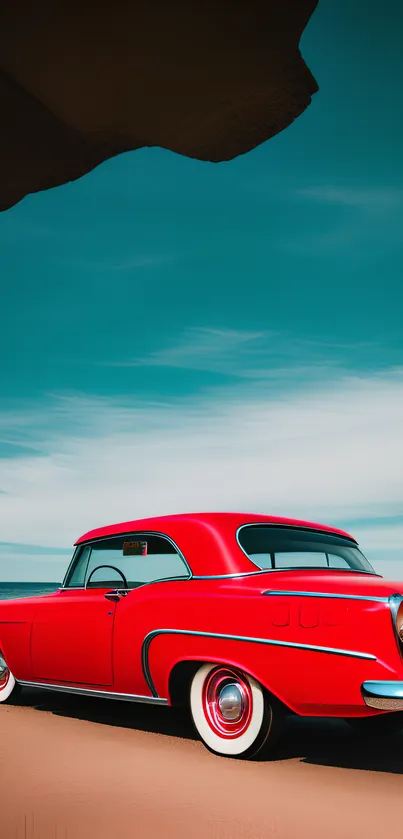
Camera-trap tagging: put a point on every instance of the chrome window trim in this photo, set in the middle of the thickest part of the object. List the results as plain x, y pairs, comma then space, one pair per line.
70, 565
281, 525
130, 533
370, 598
308, 530
105, 694
267, 641
127, 590
327, 568
237, 574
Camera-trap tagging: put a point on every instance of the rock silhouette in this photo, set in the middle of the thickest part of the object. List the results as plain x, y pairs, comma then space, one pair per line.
82, 81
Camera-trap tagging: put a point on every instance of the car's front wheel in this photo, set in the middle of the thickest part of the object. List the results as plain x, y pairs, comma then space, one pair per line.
8, 684
232, 713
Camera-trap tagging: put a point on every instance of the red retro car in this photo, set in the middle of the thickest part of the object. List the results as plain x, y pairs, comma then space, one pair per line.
244, 617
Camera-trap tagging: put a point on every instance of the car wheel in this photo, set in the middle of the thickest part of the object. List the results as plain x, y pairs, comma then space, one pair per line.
232, 713
8, 684
379, 726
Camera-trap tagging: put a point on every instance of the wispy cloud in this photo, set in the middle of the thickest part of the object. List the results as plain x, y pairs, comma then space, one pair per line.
201, 344
332, 452
129, 263
213, 350
352, 216
367, 199
385, 538
260, 355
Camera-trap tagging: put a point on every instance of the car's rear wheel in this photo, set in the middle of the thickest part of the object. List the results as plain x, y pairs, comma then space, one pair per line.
383, 725
232, 713
8, 684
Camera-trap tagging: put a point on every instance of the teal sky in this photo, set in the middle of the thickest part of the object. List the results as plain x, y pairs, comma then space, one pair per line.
181, 335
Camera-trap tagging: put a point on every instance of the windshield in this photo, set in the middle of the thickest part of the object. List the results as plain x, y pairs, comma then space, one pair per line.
274, 547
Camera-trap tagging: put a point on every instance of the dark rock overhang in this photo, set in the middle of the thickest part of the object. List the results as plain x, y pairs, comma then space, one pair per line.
82, 81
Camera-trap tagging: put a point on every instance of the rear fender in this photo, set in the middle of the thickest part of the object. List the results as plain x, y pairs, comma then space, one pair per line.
307, 682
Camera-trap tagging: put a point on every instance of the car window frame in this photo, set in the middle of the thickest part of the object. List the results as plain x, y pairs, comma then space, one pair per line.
133, 533
316, 530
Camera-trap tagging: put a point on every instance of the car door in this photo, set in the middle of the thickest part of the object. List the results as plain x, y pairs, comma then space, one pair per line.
71, 639
156, 571
74, 637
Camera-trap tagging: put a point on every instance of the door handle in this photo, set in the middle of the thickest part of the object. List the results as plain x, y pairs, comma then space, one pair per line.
112, 595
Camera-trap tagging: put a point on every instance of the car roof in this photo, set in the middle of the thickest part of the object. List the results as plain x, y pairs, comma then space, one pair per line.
207, 540
160, 523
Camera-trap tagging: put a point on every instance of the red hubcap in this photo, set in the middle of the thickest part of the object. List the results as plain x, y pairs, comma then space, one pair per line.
227, 702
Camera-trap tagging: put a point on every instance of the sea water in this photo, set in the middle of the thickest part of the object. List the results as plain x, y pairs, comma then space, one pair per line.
8, 591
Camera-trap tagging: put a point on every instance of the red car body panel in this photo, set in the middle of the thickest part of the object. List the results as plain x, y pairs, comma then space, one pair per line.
312, 642
83, 653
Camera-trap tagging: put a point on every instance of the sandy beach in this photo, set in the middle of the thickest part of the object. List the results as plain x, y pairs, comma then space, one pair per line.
74, 768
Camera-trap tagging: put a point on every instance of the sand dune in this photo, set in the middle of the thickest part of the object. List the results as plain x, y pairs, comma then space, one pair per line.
76, 769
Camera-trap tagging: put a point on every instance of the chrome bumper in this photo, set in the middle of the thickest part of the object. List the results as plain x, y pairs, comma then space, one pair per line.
385, 696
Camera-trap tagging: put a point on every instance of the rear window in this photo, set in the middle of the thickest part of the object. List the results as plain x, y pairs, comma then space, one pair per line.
274, 547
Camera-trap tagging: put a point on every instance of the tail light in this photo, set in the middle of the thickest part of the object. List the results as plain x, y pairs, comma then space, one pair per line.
396, 608
399, 622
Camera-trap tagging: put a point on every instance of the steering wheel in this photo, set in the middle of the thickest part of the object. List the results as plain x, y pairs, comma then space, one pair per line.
107, 566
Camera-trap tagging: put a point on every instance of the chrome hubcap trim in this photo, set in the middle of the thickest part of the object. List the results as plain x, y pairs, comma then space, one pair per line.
227, 702
230, 702
4, 672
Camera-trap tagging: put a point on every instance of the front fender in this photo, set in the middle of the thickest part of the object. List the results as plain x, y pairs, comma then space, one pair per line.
15, 636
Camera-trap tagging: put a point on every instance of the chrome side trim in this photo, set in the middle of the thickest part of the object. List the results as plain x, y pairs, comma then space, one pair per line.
371, 599
383, 695
104, 694
267, 641
233, 576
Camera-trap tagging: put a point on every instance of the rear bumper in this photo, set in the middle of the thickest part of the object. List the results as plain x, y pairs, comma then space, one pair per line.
385, 696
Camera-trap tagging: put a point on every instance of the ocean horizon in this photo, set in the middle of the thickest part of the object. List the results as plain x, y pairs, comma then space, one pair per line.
11, 590
389, 570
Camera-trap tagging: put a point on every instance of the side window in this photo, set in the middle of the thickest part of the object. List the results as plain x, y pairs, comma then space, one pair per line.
337, 561
300, 559
134, 558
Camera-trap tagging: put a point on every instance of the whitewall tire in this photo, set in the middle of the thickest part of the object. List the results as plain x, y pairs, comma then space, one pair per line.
231, 712
7, 682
